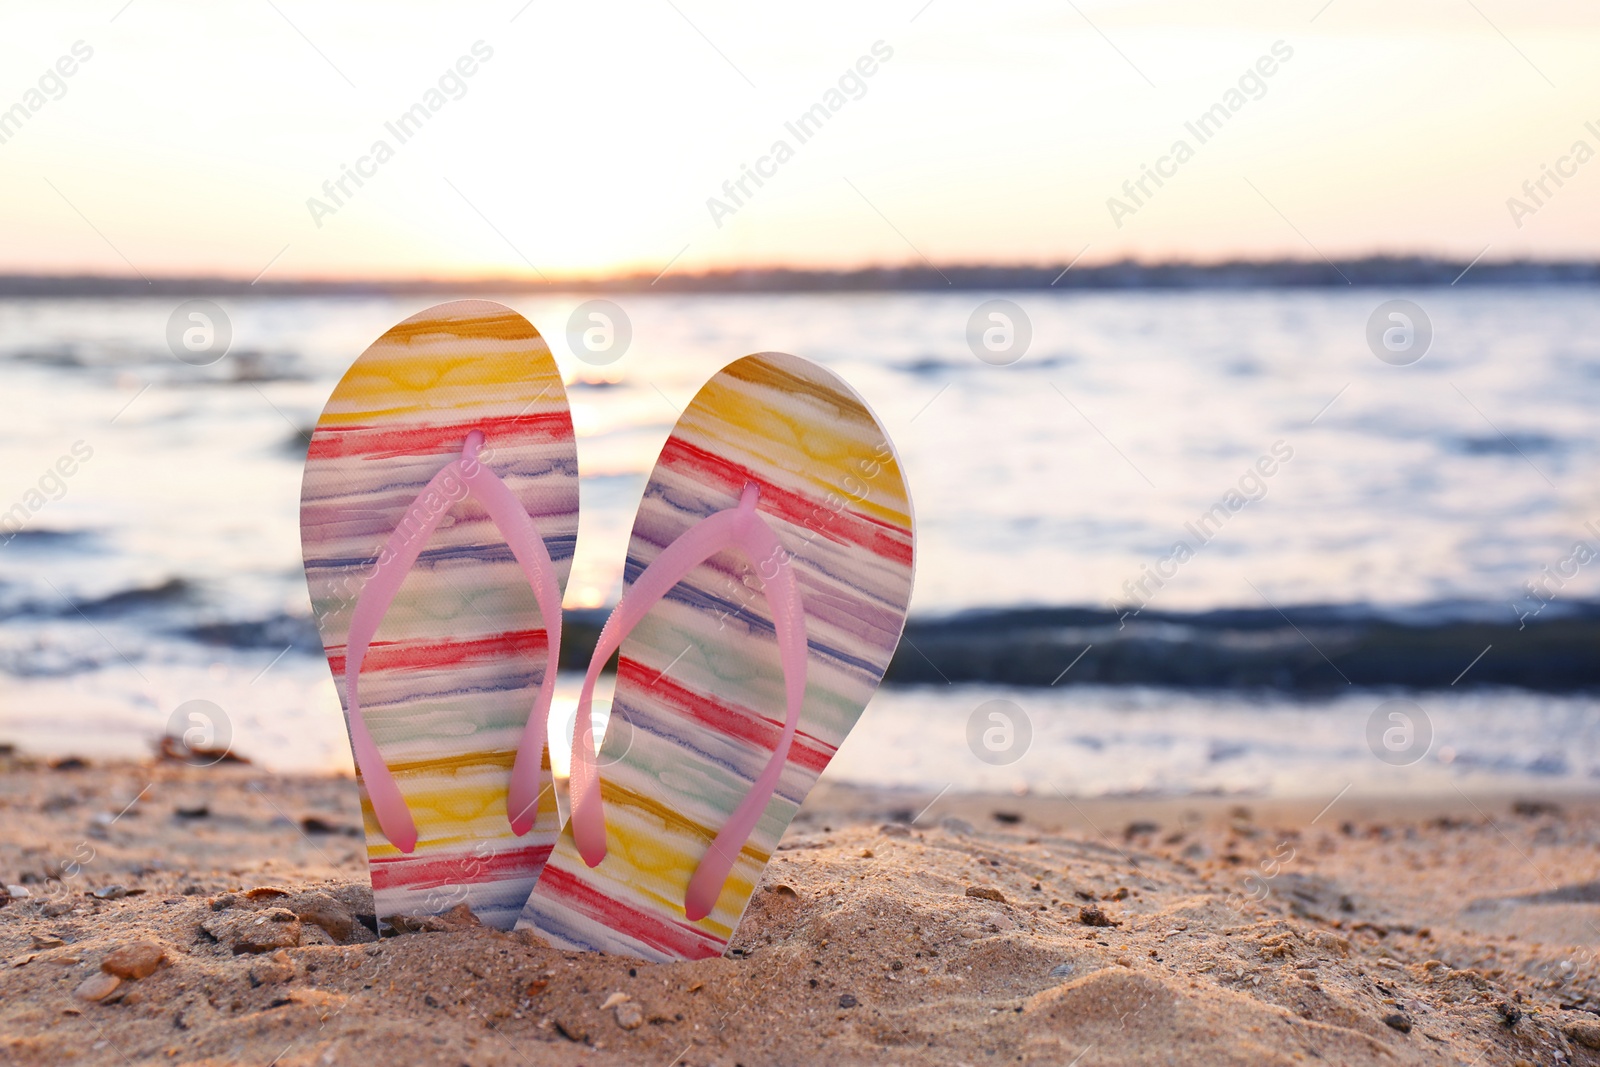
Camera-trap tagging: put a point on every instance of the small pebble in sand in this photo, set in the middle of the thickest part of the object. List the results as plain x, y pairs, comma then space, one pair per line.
613, 1000
848, 1000
111, 892
1398, 1021
318, 824
256, 931
1090, 915
629, 1015
278, 967
18, 892
1533, 809
137, 960
324, 911
983, 892
572, 1029
1062, 970
1585, 1032
1510, 1014
97, 986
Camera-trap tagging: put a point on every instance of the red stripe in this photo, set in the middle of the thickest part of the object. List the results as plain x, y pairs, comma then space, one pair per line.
679, 939
726, 719
441, 655
463, 868
384, 442
844, 526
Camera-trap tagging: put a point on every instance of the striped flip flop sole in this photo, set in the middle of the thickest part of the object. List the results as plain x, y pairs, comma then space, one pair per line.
699, 702
451, 676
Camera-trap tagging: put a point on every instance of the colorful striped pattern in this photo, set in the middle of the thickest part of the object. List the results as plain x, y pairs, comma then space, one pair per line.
450, 678
699, 683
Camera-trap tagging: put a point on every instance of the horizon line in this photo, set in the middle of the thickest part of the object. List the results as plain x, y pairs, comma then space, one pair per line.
1128, 273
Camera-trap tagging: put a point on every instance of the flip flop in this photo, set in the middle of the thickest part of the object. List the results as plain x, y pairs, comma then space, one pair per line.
438, 516
766, 588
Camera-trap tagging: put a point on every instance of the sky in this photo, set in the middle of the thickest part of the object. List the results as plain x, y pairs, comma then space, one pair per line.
586, 139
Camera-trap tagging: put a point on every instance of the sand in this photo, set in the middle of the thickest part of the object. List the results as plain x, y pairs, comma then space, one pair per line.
990, 930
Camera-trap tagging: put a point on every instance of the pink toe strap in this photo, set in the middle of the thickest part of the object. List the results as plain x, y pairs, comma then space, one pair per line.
460, 478
736, 527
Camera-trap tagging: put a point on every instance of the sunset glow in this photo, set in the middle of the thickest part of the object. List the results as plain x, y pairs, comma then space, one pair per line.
537, 141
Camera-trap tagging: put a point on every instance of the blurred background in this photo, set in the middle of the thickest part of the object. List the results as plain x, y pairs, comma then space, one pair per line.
1307, 289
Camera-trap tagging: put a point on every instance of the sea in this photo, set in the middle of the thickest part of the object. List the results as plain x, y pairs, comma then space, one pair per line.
1392, 523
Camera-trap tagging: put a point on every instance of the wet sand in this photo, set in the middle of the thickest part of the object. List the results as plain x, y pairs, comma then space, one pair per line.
1011, 929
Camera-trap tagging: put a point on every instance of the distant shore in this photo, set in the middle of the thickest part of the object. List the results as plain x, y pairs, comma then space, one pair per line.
1370, 271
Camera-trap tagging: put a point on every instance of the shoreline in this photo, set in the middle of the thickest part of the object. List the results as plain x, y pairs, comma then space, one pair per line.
1420, 647
1237, 930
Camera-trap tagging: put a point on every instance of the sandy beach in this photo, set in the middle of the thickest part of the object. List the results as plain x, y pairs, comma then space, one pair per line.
160, 913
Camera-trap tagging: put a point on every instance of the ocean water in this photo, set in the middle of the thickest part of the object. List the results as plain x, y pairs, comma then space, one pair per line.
165, 567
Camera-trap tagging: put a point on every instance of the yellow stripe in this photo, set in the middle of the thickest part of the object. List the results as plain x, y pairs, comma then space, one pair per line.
440, 803
841, 455
415, 366
460, 818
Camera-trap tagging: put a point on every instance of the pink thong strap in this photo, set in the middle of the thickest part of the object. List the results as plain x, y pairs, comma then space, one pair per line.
459, 479
736, 527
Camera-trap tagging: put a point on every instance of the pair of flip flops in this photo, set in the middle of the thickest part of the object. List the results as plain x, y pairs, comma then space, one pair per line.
765, 590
